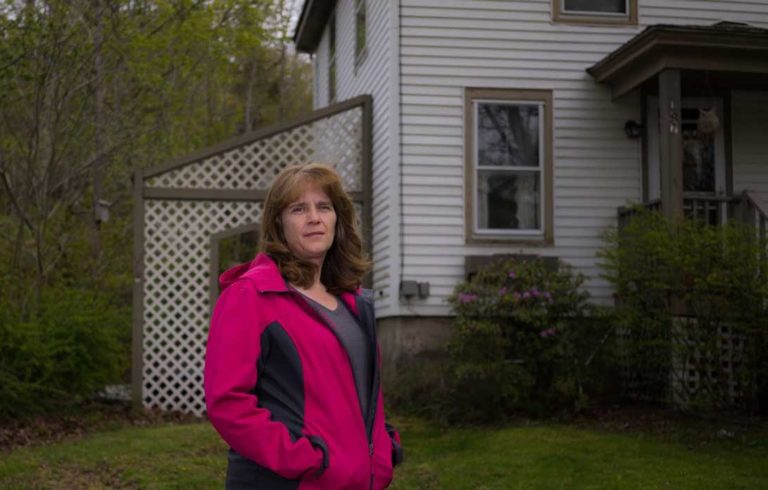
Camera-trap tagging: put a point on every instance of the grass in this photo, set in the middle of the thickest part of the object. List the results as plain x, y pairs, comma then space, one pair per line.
539, 455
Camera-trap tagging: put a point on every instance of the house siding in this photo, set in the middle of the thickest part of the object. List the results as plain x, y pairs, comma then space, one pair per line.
372, 76
750, 149
447, 46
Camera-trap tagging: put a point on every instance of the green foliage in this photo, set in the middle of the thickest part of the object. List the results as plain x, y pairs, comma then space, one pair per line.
89, 90
75, 346
692, 299
525, 340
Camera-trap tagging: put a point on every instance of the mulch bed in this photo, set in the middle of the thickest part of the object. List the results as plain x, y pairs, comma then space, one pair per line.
32, 431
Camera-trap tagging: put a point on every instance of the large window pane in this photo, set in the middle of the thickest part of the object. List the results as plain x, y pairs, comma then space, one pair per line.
507, 135
508, 200
600, 6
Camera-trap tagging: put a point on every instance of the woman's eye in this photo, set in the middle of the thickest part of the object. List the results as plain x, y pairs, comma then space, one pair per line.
296, 210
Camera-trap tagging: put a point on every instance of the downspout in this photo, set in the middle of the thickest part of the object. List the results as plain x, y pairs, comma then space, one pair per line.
400, 173
396, 169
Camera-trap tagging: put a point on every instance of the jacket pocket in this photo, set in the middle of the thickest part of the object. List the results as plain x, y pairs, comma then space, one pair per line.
397, 449
244, 474
319, 443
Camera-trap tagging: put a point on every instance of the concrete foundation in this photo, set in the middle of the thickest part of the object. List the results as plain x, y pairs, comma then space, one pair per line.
407, 341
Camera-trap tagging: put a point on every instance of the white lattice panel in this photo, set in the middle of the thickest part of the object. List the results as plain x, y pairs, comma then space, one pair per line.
688, 377
176, 295
335, 139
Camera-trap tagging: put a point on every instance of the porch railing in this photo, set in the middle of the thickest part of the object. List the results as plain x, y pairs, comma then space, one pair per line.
714, 210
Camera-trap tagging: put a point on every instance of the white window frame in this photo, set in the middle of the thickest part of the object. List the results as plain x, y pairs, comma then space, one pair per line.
476, 168
583, 17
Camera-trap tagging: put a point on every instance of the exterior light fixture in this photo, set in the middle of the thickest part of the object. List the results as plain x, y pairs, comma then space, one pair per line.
633, 129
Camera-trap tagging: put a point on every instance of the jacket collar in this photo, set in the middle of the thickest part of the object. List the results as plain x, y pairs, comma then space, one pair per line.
263, 272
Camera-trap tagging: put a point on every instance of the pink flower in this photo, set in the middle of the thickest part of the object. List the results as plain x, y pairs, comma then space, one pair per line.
512, 274
465, 298
516, 295
526, 295
502, 291
548, 332
535, 292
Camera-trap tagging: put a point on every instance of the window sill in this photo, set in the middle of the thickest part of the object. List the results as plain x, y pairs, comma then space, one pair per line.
522, 240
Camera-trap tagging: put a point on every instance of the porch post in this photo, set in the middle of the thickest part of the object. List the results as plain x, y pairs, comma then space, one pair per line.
670, 144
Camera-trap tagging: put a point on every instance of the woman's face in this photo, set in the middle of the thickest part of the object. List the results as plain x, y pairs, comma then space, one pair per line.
309, 225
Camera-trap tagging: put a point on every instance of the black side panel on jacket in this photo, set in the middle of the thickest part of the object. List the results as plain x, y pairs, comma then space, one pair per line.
368, 320
244, 474
280, 385
280, 389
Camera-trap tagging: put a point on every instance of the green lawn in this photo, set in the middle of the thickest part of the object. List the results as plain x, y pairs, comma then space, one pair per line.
541, 455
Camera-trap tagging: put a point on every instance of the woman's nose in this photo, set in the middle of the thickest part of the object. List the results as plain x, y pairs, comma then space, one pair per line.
313, 214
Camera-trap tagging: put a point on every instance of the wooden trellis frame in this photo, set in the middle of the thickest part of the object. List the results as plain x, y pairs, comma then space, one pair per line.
183, 207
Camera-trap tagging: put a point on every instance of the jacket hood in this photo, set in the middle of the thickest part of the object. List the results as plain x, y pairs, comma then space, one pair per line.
229, 276
262, 271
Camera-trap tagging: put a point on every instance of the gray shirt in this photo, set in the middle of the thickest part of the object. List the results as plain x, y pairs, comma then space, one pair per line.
356, 343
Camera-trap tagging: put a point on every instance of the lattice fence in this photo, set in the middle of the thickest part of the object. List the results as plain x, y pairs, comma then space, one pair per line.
709, 367
253, 166
174, 229
686, 366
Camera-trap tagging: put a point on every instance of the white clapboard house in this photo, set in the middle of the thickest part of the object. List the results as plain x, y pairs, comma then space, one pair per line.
523, 126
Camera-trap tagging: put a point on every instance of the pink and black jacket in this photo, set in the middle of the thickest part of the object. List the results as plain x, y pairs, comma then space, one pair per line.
280, 390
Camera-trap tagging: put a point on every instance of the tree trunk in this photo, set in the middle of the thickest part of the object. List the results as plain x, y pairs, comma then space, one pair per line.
248, 122
99, 134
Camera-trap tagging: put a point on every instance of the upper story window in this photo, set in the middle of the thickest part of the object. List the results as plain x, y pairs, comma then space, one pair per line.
509, 165
595, 11
332, 58
360, 31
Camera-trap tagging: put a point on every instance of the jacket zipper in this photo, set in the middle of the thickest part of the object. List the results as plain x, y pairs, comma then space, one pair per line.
375, 382
370, 462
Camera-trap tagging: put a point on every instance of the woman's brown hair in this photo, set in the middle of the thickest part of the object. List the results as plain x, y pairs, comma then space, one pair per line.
345, 263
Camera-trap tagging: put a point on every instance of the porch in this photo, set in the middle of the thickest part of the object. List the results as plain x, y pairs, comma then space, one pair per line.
703, 92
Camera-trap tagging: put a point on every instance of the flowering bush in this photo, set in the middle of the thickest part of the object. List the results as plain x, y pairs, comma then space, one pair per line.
525, 339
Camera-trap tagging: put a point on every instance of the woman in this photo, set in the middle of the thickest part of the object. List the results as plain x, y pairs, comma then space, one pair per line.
292, 379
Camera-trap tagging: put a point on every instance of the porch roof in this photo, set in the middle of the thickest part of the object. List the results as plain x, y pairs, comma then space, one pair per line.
309, 28
725, 47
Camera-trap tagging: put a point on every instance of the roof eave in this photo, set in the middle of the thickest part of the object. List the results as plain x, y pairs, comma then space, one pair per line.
662, 47
309, 29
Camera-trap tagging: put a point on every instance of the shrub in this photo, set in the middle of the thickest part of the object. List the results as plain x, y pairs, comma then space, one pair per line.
525, 340
76, 345
691, 308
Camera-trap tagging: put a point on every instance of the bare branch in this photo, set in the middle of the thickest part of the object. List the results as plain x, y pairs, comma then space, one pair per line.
15, 202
